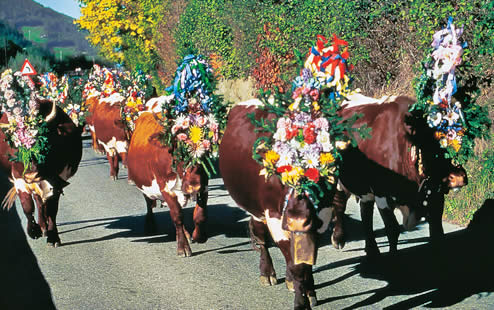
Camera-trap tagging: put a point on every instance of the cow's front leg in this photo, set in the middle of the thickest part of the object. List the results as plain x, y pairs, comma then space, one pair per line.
339, 206
183, 247
200, 216
150, 225
51, 206
258, 233
299, 278
435, 217
42, 216
33, 230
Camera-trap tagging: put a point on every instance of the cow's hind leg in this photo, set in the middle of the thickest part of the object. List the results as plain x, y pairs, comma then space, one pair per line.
51, 206
200, 216
392, 228
113, 161
258, 234
33, 230
367, 216
183, 237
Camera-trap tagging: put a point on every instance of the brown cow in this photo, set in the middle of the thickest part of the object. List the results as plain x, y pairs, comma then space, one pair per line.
399, 166
150, 166
290, 219
110, 131
44, 182
90, 104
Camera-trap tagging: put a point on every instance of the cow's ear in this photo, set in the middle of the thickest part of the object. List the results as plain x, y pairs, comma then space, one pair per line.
155, 139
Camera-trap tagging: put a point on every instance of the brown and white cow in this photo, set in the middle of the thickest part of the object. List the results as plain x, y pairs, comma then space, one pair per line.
110, 131
399, 166
44, 182
290, 219
150, 167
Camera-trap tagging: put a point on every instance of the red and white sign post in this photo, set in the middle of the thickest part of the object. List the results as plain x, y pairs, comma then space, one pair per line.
28, 69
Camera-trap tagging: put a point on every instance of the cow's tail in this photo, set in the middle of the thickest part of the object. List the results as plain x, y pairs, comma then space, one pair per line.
9, 199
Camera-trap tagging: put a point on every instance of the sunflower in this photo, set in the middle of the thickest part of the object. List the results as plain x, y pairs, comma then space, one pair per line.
195, 134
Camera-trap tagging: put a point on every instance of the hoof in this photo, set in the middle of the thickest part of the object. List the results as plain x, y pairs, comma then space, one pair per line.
184, 252
54, 245
313, 301
290, 286
336, 244
130, 182
268, 280
113, 177
52, 239
34, 231
198, 236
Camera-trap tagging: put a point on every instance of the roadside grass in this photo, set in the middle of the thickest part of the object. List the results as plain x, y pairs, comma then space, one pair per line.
459, 207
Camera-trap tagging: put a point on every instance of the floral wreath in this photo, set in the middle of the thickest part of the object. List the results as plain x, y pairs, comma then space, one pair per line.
101, 82
26, 130
303, 148
195, 118
73, 104
455, 124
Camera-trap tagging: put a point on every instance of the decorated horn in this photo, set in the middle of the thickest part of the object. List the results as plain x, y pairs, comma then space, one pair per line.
52, 113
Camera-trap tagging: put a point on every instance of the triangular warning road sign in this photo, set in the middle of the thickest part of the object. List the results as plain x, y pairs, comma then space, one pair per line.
27, 68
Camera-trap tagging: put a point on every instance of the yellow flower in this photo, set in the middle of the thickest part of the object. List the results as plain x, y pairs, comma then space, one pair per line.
292, 176
455, 144
272, 156
326, 158
195, 134
316, 106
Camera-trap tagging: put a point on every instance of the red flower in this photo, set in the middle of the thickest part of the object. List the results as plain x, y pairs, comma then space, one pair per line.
282, 169
309, 134
312, 174
290, 133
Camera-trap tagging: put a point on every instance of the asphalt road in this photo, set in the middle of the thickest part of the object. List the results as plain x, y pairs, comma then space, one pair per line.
109, 259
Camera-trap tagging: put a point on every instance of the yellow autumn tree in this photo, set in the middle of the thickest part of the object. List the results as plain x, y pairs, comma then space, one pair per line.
126, 31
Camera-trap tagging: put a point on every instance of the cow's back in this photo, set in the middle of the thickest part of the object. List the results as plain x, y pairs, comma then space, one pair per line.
147, 159
239, 170
385, 161
107, 121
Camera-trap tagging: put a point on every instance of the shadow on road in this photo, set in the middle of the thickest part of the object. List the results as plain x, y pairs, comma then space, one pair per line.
462, 265
222, 220
23, 285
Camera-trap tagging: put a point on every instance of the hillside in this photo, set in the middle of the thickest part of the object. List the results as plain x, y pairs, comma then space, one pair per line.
45, 27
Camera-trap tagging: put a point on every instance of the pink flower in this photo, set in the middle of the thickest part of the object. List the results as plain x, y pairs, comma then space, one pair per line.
206, 144
321, 123
181, 136
201, 121
283, 123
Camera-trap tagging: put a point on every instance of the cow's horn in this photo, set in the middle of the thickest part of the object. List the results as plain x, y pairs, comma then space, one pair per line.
52, 114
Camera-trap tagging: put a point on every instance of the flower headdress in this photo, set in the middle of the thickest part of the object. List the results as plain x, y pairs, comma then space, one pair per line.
455, 124
194, 120
137, 88
26, 130
307, 133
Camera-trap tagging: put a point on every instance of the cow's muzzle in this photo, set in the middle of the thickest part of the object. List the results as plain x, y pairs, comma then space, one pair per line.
299, 225
191, 189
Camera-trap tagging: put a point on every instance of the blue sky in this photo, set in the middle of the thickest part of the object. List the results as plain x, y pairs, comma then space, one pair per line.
67, 7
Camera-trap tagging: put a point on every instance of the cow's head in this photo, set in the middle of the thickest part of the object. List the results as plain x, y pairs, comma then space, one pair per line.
456, 179
300, 218
192, 180
299, 214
